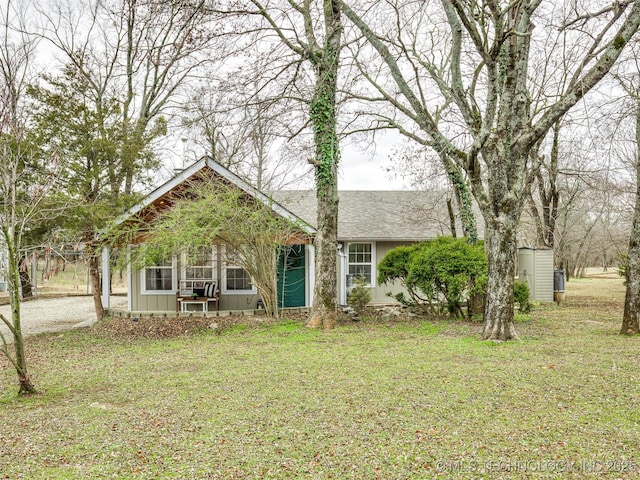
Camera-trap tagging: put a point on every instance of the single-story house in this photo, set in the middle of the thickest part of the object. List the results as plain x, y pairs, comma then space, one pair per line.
370, 224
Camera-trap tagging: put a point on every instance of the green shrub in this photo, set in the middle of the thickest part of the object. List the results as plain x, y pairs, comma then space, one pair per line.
359, 296
395, 264
439, 275
522, 297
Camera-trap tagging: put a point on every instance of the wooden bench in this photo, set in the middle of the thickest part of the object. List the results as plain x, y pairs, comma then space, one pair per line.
194, 292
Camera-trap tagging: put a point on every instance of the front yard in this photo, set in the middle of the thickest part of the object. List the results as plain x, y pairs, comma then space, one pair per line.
389, 400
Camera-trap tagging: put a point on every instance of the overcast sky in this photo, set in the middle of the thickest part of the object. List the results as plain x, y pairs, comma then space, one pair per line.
362, 166
369, 171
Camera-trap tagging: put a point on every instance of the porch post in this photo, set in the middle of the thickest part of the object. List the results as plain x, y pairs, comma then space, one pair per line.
129, 280
34, 274
311, 273
106, 278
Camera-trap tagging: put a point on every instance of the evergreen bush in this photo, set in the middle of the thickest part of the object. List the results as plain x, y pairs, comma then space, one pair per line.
522, 297
439, 275
359, 296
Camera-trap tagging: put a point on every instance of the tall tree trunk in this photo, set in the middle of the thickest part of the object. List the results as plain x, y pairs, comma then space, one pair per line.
548, 195
552, 195
631, 316
323, 113
452, 218
25, 280
24, 379
96, 288
324, 307
500, 245
20, 359
464, 199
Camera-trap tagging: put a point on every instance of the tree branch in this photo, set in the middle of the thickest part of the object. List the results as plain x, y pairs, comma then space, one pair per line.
587, 82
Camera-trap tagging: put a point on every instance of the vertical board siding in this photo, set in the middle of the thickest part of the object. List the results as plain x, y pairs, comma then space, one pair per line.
535, 268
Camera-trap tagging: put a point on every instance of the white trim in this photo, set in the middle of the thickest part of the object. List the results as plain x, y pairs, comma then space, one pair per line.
224, 289
342, 279
174, 280
311, 273
214, 266
373, 261
129, 280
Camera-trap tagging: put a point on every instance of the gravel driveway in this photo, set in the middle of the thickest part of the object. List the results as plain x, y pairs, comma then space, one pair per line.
55, 314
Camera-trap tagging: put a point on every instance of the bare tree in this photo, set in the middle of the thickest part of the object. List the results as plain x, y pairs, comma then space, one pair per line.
473, 104
131, 58
25, 176
574, 203
242, 131
628, 76
302, 36
212, 123
545, 184
631, 316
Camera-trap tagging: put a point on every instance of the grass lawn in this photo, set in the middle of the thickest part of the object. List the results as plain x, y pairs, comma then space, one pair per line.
394, 400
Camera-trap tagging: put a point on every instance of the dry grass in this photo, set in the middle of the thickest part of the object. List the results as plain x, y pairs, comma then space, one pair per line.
389, 400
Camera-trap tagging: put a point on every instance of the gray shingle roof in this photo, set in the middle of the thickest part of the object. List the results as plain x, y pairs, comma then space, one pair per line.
377, 215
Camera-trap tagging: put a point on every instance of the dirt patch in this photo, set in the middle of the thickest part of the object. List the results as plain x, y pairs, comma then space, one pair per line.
149, 327
171, 327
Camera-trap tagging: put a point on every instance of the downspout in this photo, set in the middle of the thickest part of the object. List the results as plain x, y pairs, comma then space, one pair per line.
342, 275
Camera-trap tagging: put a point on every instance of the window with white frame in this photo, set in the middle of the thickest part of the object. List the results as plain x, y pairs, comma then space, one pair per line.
361, 262
160, 278
199, 267
235, 279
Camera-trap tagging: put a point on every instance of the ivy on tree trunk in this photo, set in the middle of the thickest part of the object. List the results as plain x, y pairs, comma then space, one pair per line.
324, 118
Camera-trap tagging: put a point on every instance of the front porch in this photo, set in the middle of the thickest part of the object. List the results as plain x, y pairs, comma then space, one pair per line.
169, 290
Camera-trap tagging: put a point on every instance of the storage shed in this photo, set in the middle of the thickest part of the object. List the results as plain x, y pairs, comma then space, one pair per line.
535, 268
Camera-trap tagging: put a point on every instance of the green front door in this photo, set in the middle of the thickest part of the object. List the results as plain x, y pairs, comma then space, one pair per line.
291, 277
